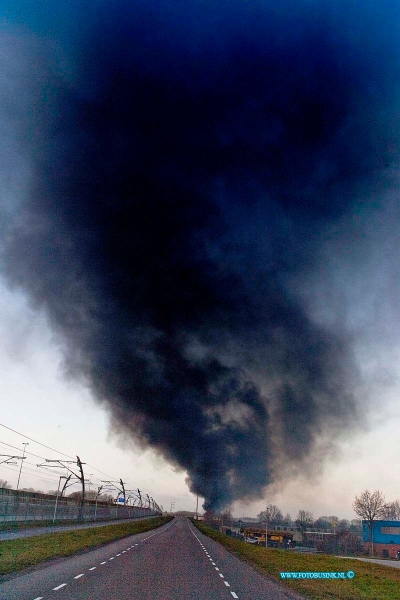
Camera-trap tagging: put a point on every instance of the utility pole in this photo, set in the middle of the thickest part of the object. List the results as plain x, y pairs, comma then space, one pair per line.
97, 495
66, 484
123, 490
25, 444
82, 479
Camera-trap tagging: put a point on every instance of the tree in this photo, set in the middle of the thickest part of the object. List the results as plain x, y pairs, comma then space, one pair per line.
350, 543
273, 513
105, 498
392, 511
4, 484
323, 523
343, 525
304, 520
370, 506
287, 519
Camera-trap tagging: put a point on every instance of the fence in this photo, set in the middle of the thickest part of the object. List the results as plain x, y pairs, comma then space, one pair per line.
21, 506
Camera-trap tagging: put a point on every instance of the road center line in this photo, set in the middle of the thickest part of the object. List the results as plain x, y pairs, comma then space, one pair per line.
80, 575
104, 562
59, 587
92, 568
39, 598
213, 563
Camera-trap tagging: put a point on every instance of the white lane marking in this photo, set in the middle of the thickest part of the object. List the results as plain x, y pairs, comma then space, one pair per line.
123, 551
216, 568
104, 562
112, 558
80, 575
92, 568
119, 554
59, 587
39, 598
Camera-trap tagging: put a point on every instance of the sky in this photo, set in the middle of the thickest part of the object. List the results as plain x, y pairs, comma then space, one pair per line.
199, 248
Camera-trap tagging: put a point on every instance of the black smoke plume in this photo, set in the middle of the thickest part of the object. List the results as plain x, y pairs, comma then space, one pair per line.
187, 161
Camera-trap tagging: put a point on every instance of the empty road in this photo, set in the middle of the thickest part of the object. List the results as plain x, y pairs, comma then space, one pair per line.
173, 562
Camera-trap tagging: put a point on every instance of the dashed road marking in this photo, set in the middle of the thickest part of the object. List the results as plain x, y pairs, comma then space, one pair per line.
92, 568
59, 587
119, 554
80, 575
39, 598
112, 558
212, 562
104, 562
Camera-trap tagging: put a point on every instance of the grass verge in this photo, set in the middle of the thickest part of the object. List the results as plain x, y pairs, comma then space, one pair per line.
27, 552
371, 582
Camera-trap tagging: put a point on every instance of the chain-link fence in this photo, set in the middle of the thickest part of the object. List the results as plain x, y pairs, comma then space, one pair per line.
21, 506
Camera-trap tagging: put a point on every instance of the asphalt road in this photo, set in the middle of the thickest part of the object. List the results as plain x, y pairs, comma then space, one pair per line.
33, 531
173, 562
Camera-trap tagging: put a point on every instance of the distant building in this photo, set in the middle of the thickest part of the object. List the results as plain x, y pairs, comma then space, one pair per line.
386, 536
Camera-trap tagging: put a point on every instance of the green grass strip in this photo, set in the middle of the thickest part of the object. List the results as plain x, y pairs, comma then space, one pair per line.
371, 582
27, 552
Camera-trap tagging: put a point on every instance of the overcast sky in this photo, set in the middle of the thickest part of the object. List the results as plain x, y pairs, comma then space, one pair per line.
200, 232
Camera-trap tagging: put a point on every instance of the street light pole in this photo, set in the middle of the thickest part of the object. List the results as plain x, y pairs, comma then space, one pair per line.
25, 444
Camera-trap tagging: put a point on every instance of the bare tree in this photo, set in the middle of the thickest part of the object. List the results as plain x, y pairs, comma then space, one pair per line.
392, 511
304, 520
370, 506
323, 523
273, 513
4, 484
287, 519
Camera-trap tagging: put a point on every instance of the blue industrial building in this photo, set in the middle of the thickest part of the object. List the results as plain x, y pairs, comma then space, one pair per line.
386, 536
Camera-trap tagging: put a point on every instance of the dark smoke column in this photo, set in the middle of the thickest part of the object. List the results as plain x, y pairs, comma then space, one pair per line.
186, 164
